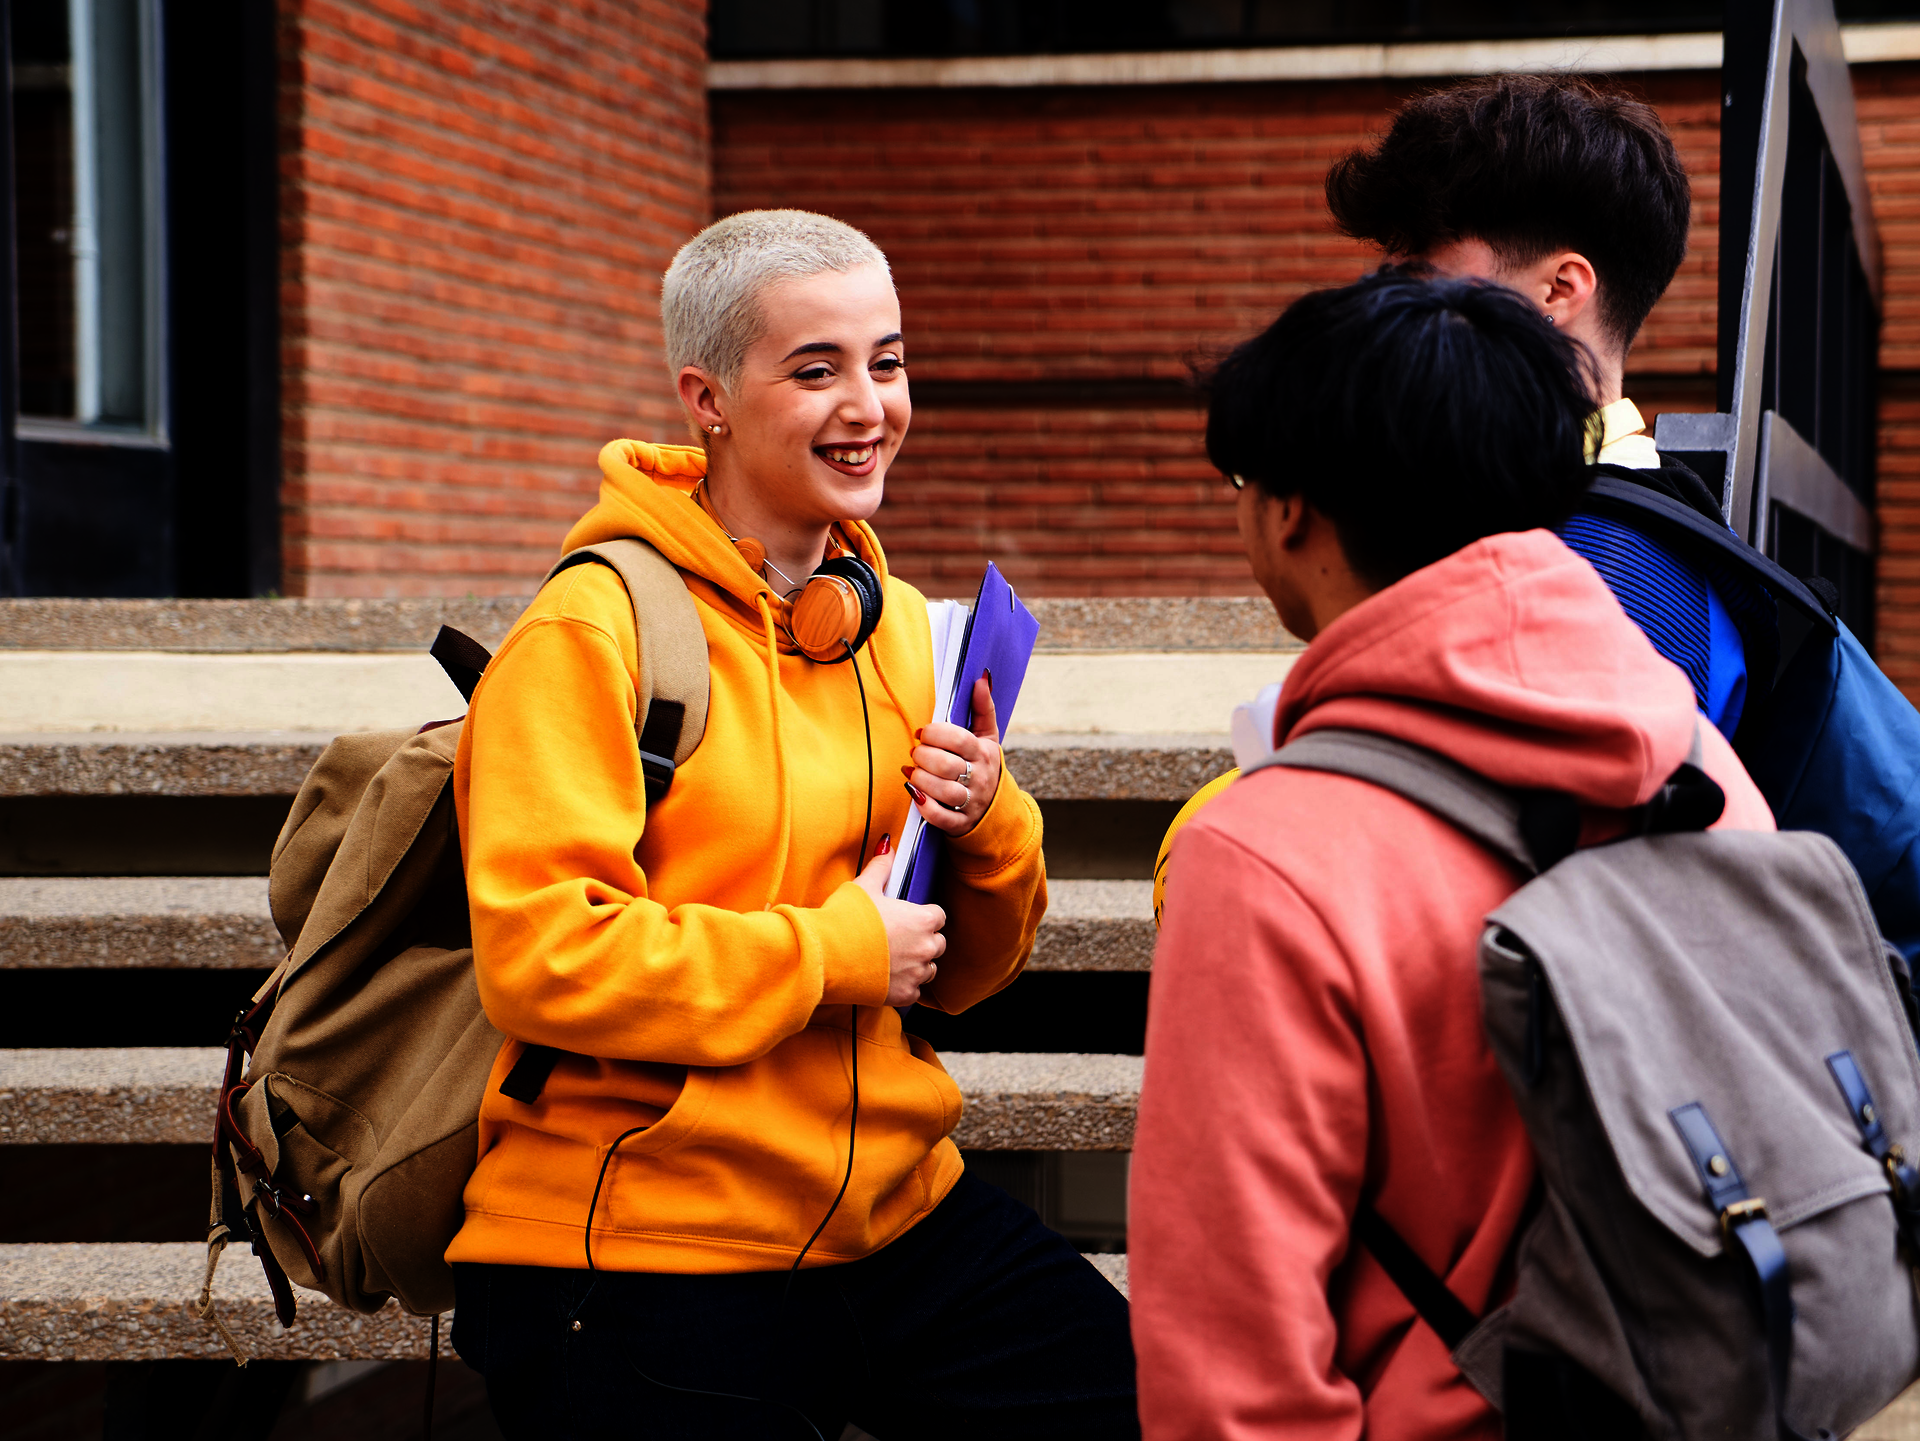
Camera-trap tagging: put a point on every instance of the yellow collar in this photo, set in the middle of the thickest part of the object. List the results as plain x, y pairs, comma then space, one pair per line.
1623, 438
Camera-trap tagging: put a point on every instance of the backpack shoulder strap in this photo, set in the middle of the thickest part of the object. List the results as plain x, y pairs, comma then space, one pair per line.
1485, 811
1634, 503
672, 697
674, 682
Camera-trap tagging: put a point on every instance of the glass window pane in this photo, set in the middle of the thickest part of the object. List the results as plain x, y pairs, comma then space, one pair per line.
85, 166
43, 206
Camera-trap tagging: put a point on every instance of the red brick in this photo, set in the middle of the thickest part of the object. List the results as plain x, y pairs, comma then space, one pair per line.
479, 197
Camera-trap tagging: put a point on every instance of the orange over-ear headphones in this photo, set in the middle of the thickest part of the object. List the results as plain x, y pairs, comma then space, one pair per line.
838, 607
837, 610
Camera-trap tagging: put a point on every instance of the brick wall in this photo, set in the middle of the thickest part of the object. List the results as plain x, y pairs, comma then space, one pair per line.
479, 197
1061, 257
1888, 99
1062, 254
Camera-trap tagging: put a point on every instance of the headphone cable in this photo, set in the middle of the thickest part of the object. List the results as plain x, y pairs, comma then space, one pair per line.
853, 1042
853, 1127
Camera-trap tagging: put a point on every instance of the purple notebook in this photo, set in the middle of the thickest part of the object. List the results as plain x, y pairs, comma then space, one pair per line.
1000, 636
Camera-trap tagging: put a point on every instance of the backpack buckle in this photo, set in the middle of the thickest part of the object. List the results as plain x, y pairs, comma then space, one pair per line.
1738, 1213
278, 1200
658, 772
1900, 1175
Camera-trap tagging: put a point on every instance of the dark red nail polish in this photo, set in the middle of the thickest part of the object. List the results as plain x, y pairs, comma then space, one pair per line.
886, 844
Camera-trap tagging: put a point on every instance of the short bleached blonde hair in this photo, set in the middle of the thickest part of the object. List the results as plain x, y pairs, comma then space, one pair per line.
710, 301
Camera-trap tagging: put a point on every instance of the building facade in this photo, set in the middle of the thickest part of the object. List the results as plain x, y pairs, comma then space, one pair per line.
401, 271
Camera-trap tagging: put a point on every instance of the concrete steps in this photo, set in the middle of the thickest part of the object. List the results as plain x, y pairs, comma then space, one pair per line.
148, 732
1054, 766
1166, 666
134, 1302
147, 754
164, 1095
222, 922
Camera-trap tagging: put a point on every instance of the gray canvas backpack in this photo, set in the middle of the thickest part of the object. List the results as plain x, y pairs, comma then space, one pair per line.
348, 1119
1710, 1045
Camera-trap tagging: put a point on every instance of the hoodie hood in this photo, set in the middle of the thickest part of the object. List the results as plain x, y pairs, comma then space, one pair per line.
1512, 658
646, 492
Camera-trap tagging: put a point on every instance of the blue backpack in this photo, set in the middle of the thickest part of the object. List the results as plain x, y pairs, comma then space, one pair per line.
1831, 742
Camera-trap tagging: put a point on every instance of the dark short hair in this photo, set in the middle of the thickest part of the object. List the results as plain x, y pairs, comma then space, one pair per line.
1417, 415
1530, 164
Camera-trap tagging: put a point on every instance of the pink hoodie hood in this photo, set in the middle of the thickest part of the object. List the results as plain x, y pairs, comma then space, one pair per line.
1513, 658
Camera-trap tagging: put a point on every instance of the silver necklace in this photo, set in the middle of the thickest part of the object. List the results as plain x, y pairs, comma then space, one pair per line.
766, 562
792, 584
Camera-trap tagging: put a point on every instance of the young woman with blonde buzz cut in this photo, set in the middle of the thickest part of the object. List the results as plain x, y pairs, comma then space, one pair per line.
733, 1209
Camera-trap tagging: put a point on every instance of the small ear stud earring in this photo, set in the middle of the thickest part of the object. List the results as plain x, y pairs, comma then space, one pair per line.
1549, 320
714, 428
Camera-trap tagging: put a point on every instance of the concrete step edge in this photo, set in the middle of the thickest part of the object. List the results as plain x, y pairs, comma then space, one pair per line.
209, 763
341, 624
164, 1095
223, 922
131, 1301
57, 693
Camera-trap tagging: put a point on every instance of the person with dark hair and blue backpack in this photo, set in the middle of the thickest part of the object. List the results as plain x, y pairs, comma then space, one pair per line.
1572, 195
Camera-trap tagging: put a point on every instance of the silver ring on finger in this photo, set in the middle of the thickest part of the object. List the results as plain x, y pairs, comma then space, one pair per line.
966, 776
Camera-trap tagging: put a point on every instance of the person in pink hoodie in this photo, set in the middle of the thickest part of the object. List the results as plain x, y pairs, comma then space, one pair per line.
1314, 1032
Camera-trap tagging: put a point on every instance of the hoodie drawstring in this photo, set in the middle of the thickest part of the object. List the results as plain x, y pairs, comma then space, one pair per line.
873, 654
774, 690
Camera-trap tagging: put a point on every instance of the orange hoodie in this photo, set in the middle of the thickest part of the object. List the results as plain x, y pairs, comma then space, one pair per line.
1314, 1030
710, 955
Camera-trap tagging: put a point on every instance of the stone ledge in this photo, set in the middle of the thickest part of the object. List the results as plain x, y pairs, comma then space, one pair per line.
215, 923
1050, 767
124, 1301
128, 764
99, 694
1111, 623
155, 1095
1036, 1101
143, 922
1117, 767
1096, 926
138, 1095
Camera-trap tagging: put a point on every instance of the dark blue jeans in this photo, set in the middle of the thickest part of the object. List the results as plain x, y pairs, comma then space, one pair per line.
979, 1322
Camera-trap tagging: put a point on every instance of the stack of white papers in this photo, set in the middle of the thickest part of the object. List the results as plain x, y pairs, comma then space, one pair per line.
948, 620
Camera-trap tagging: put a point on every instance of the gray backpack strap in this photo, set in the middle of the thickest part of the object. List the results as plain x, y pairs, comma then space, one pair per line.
674, 682
1485, 811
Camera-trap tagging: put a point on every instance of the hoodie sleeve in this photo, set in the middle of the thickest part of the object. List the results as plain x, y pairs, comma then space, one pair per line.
1248, 1159
569, 949
995, 892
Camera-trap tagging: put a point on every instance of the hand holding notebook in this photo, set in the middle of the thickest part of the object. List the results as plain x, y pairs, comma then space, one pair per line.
995, 639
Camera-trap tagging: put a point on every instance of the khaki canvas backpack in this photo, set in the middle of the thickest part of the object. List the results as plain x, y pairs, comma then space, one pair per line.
343, 1145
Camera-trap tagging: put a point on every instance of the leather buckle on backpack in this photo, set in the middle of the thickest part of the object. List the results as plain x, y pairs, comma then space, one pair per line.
276, 1200
1738, 1213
